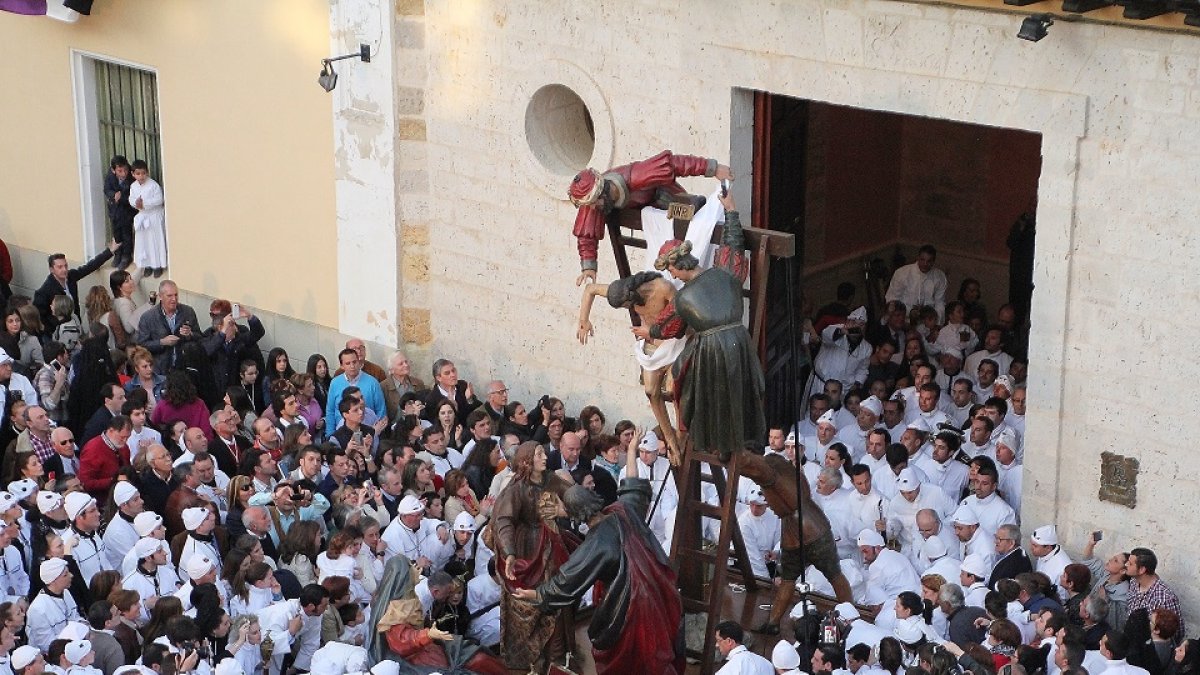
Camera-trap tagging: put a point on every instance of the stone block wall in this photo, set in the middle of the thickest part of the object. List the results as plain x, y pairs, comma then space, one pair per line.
1118, 109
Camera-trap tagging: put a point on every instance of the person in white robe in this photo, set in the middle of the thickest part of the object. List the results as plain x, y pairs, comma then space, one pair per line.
82, 540
119, 535
150, 223
153, 577
975, 539
53, 607
760, 533
844, 354
199, 523
920, 284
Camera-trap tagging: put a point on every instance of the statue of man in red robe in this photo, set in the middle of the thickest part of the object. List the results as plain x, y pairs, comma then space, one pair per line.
631, 186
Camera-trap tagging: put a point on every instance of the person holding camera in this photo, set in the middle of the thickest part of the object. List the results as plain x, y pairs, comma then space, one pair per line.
290, 502
163, 330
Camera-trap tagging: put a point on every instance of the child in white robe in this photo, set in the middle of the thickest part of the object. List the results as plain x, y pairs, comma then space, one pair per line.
150, 226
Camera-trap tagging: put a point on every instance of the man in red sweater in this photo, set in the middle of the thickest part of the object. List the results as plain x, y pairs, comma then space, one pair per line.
103, 456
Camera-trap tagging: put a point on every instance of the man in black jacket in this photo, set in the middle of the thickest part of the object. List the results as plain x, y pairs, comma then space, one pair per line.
120, 211
64, 281
1010, 557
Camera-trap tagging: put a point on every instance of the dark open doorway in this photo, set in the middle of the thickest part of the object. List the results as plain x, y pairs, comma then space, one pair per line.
862, 190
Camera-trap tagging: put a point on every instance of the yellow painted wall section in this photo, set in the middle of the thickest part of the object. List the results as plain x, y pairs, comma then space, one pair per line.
247, 141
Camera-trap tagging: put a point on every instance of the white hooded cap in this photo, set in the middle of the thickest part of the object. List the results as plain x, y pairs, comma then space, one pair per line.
146, 522
784, 656
123, 492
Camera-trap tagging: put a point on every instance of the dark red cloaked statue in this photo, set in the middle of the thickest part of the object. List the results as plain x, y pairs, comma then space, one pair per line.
630, 186
637, 626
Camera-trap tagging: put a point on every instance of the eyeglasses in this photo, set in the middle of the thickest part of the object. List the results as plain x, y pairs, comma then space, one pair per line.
498, 391
246, 487
69, 441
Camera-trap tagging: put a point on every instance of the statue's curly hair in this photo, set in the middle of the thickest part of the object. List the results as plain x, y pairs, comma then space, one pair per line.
679, 257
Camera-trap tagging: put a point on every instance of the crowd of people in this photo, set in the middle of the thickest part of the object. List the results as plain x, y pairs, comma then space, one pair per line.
913, 445
177, 502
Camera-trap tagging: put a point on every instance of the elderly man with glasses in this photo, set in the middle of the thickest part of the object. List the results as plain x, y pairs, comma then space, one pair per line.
1011, 559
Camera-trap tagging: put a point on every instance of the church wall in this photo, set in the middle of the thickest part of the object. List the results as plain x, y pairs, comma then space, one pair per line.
1117, 109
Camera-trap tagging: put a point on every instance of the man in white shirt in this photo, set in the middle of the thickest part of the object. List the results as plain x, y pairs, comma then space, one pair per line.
941, 467
738, 659
913, 496
844, 353
972, 536
119, 536
865, 502
422, 540
1048, 556
920, 284
979, 441
940, 563
993, 348
785, 658
1016, 409
985, 377
53, 607
760, 533
835, 504
83, 540
930, 526
815, 446
973, 573
887, 570
1010, 470
817, 405
855, 436
987, 504
961, 398
1114, 647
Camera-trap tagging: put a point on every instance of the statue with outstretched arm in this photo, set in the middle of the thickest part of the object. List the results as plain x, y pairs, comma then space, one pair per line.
631, 186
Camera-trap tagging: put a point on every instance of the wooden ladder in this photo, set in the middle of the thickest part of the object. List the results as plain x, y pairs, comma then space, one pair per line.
687, 545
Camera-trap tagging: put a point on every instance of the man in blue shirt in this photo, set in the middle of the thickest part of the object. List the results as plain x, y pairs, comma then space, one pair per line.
352, 375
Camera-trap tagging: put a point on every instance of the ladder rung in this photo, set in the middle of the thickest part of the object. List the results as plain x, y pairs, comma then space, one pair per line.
706, 509
709, 457
693, 605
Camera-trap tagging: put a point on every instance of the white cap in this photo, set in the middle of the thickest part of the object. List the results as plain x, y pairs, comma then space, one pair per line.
76, 650
23, 488
4, 357
198, 565
410, 505
756, 497
187, 456
869, 537
908, 632
791, 438
907, 481
973, 564
7, 501
649, 442
194, 517
464, 522
123, 492
951, 350
146, 547
827, 418
1045, 535
47, 501
146, 522
847, 611
873, 404
859, 314
229, 666
388, 667
965, 515
784, 656
23, 656
76, 503
1007, 438
74, 630
1003, 381
51, 569
934, 548
919, 424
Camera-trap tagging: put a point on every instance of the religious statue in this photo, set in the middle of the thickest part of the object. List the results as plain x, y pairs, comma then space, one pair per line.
649, 294
637, 624
718, 380
529, 550
631, 186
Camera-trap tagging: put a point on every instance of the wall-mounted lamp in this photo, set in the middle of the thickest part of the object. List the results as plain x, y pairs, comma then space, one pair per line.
1034, 28
328, 77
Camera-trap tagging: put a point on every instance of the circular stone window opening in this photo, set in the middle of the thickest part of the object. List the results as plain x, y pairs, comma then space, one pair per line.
559, 130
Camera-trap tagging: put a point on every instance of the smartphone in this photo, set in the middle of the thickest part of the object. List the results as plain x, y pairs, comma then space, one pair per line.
236, 312
356, 437
50, 476
1098, 535
724, 188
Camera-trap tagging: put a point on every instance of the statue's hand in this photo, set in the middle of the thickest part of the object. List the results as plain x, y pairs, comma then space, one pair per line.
584, 331
723, 173
586, 276
642, 331
525, 594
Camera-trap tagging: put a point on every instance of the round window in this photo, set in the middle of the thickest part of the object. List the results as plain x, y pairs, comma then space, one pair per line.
559, 130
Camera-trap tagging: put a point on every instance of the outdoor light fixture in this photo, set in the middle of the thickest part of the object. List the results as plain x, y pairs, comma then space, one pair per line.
1033, 28
328, 77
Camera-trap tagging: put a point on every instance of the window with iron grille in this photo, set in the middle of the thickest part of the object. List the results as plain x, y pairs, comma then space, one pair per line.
127, 115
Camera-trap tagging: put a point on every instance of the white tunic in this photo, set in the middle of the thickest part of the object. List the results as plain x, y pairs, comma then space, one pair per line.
414, 544
1052, 565
149, 225
761, 536
119, 539
742, 661
193, 546
14, 580
1010, 485
992, 511
901, 514
893, 574
951, 476
47, 615
919, 289
162, 583
982, 545
948, 568
837, 361
89, 553
483, 592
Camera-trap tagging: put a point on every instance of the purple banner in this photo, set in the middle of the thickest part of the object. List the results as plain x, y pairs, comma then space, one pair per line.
23, 6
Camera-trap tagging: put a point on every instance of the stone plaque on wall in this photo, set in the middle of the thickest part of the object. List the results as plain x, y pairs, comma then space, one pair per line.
1118, 479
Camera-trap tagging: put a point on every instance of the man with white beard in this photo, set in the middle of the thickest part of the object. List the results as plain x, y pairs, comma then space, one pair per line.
835, 503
